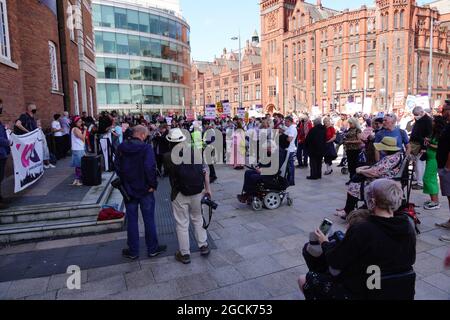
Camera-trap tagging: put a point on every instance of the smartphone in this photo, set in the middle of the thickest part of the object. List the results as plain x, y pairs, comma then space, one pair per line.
326, 225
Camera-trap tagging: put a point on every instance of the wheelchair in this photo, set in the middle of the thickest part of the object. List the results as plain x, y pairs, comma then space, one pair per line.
271, 194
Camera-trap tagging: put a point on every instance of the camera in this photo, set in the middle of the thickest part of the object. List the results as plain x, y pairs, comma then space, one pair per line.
117, 184
208, 202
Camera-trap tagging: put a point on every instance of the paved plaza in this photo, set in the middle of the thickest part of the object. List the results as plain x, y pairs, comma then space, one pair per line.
257, 255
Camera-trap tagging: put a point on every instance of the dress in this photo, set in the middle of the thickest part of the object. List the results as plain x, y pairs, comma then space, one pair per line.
430, 181
387, 168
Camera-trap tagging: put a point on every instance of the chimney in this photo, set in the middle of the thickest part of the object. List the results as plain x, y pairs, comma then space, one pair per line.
319, 3
224, 51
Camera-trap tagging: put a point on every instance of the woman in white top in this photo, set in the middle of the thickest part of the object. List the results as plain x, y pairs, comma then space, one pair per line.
58, 135
78, 135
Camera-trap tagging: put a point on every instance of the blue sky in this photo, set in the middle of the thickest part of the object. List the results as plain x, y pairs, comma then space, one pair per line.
214, 22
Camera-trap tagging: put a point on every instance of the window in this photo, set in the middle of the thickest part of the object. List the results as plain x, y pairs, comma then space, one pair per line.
246, 94
246, 77
217, 96
272, 91
398, 43
107, 17
53, 66
354, 77
144, 22
441, 75
371, 76
216, 83
357, 28
225, 94
396, 18
5, 49
76, 101
236, 94
257, 75
324, 81
338, 76
398, 61
402, 18
72, 28
225, 81
91, 101
397, 79
351, 29
258, 91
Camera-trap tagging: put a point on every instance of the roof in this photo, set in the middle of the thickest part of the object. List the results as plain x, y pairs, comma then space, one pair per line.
319, 13
443, 6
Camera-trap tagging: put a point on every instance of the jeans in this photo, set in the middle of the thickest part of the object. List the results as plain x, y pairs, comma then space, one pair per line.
147, 205
291, 168
302, 154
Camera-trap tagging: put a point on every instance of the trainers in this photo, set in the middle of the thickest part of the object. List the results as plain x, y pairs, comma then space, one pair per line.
126, 253
204, 251
417, 187
46, 166
52, 166
186, 259
432, 206
159, 250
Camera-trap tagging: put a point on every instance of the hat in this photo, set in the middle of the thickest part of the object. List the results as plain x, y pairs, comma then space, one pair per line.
176, 135
387, 144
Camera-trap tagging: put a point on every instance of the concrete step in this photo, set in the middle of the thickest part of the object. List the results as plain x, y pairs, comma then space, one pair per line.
56, 229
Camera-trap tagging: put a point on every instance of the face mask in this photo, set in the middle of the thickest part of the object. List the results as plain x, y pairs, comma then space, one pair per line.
34, 111
417, 118
1, 110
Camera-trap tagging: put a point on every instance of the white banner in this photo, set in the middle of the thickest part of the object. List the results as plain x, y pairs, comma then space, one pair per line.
226, 109
27, 152
210, 112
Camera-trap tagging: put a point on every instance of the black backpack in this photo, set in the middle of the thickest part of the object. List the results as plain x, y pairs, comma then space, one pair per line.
190, 179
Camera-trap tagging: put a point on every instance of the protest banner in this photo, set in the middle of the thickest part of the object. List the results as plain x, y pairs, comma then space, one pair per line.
27, 153
210, 112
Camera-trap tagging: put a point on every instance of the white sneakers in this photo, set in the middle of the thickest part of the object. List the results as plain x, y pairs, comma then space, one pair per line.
49, 166
430, 205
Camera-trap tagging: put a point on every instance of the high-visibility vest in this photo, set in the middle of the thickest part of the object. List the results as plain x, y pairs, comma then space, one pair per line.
197, 140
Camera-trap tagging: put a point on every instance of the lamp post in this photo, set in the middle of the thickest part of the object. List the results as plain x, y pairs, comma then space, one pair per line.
240, 68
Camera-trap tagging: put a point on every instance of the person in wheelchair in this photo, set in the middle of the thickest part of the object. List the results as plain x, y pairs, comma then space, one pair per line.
254, 176
338, 264
388, 167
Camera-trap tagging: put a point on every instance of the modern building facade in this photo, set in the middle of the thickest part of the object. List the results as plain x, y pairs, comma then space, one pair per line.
142, 57
46, 58
374, 57
217, 81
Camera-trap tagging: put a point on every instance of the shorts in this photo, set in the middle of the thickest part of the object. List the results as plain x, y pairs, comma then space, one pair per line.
444, 177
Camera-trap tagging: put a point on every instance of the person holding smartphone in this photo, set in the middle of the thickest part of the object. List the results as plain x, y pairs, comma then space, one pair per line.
381, 239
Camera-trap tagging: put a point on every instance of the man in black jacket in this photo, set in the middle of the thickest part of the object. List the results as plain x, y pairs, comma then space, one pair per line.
316, 144
422, 129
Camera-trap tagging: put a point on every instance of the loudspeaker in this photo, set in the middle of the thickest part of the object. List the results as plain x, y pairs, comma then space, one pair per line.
91, 170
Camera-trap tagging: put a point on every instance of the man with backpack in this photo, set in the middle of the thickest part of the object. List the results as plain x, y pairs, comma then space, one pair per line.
188, 180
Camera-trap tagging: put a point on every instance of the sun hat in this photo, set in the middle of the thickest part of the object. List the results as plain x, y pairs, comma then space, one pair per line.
176, 135
387, 144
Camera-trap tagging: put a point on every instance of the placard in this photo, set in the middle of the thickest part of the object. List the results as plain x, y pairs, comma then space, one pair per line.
210, 112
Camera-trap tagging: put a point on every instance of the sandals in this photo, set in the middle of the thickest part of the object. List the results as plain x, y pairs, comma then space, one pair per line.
445, 225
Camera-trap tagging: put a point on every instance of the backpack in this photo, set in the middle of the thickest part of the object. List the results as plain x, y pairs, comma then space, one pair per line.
189, 179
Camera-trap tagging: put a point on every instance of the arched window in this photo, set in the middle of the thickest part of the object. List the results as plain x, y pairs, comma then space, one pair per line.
441, 75
351, 29
53, 66
402, 18
396, 16
397, 79
398, 43
354, 77
338, 76
398, 61
324, 81
357, 28
371, 76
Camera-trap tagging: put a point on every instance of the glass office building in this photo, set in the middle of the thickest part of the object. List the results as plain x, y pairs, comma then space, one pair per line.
142, 58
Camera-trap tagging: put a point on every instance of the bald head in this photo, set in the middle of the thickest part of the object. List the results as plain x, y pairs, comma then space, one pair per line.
140, 132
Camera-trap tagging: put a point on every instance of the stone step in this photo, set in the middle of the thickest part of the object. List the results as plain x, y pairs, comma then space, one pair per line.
56, 229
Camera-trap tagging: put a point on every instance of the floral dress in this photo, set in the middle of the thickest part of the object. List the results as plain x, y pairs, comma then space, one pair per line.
386, 168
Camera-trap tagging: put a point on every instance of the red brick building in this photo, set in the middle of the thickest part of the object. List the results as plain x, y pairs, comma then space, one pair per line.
41, 60
219, 80
375, 57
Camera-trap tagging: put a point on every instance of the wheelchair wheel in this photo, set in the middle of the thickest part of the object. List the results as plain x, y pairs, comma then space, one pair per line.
344, 171
272, 201
257, 204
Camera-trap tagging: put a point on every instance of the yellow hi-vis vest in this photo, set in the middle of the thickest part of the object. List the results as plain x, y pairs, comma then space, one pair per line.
197, 141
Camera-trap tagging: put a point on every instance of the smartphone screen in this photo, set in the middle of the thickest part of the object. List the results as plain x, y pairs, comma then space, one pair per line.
326, 226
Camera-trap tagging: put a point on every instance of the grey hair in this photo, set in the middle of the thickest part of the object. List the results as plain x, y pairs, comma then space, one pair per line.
393, 116
418, 111
384, 194
355, 122
138, 130
317, 121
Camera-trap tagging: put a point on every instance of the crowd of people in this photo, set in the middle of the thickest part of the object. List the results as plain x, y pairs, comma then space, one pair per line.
374, 149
